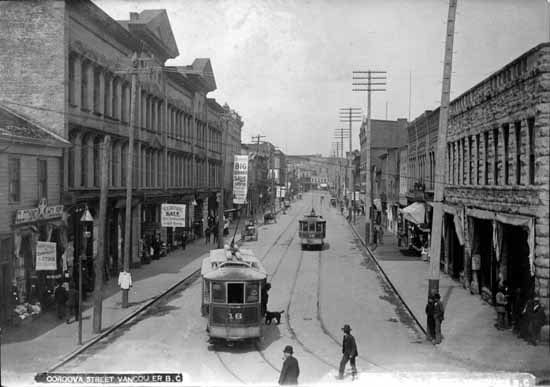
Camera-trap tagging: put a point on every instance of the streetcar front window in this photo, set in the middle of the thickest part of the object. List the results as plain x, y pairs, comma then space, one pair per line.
218, 292
319, 227
252, 294
312, 226
235, 293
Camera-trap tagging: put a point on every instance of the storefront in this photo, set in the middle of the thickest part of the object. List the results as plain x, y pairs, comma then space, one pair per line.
504, 246
453, 242
40, 249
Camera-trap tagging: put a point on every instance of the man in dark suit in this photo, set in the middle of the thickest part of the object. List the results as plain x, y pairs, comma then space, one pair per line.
291, 370
349, 352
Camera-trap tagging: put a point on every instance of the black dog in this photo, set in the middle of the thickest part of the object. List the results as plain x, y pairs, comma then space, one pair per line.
273, 315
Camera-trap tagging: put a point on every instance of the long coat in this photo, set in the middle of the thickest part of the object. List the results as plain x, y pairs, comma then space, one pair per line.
349, 347
290, 371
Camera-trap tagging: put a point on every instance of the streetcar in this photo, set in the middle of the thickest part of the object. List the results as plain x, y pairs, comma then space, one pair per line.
232, 284
312, 230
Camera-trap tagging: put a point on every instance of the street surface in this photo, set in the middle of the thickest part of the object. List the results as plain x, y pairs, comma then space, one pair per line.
319, 291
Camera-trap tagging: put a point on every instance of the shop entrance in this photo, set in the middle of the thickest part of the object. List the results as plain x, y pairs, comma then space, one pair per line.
455, 263
4, 292
515, 269
483, 245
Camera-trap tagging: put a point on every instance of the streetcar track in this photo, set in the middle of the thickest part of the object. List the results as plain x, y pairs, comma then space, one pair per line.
320, 318
257, 346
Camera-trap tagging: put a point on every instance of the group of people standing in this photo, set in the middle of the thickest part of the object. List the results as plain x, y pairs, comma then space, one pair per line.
526, 318
435, 313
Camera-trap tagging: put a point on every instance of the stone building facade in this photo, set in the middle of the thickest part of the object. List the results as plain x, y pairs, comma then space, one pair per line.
497, 179
74, 75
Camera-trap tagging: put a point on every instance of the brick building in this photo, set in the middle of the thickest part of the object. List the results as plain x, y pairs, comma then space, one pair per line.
74, 77
498, 178
30, 176
386, 137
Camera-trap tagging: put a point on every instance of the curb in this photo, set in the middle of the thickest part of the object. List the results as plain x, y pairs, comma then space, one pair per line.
120, 323
371, 254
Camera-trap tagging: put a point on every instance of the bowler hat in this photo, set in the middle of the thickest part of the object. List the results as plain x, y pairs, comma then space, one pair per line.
288, 349
346, 328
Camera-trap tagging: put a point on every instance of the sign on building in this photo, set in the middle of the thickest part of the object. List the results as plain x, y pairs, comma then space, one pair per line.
46, 256
42, 212
172, 215
240, 179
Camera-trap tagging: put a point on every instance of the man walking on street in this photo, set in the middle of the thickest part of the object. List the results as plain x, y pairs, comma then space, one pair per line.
290, 370
439, 313
349, 352
72, 303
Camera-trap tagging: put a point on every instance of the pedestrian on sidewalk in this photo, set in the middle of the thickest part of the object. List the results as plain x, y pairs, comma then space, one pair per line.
207, 236
349, 352
430, 325
291, 369
439, 315
501, 304
72, 303
60, 296
156, 247
265, 297
537, 318
215, 232
380, 234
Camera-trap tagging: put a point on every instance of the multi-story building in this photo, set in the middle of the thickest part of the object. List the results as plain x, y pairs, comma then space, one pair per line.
76, 78
496, 178
386, 137
31, 159
234, 124
258, 197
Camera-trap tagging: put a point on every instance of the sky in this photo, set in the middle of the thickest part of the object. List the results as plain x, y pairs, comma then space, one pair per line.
286, 65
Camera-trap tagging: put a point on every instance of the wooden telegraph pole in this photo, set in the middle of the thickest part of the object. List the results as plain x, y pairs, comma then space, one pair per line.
372, 84
435, 250
225, 128
350, 115
98, 288
129, 174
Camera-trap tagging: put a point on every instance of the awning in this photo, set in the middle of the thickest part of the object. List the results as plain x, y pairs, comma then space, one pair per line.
414, 213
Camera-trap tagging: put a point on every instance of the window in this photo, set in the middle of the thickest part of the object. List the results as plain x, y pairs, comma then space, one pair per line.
72, 98
14, 167
478, 159
531, 153
312, 227
124, 96
218, 292
517, 129
464, 162
486, 156
470, 161
96, 91
84, 88
107, 97
505, 138
495, 156
252, 293
235, 293
320, 227
114, 100
42, 174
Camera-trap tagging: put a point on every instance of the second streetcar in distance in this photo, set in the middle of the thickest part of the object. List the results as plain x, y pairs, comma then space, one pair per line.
312, 230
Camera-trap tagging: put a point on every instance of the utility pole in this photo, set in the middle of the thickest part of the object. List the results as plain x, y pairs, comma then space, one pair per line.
340, 134
258, 138
129, 174
221, 208
98, 288
435, 250
351, 115
373, 83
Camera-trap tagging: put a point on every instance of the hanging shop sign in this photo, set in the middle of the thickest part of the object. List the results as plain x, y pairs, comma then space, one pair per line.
46, 256
42, 212
278, 193
240, 179
172, 215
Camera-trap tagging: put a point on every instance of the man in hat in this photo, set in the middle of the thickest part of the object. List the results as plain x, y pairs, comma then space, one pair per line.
349, 352
438, 312
290, 370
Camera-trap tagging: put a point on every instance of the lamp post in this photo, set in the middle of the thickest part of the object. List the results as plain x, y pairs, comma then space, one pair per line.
86, 219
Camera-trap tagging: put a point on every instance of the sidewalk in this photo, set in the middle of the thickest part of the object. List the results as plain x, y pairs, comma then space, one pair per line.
468, 328
44, 342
